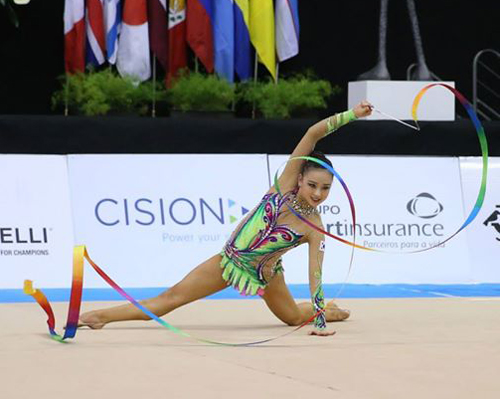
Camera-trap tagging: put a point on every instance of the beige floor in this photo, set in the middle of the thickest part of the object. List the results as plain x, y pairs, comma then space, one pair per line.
396, 348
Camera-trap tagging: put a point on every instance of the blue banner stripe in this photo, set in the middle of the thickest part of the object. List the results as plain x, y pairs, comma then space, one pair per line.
299, 291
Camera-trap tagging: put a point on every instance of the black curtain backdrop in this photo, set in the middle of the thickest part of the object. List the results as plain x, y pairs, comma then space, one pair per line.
338, 41
41, 134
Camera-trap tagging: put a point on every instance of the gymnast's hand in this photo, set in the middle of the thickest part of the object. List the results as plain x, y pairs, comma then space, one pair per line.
364, 108
321, 333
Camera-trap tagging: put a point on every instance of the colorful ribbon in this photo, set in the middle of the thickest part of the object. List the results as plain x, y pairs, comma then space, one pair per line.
473, 213
79, 254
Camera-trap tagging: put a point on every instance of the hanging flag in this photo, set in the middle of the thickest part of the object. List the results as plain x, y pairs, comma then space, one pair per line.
287, 29
262, 33
177, 57
199, 31
133, 44
96, 38
158, 30
74, 36
242, 46
112, 25
224, 39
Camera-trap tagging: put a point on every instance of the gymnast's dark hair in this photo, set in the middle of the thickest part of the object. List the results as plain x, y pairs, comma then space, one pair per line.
307, 165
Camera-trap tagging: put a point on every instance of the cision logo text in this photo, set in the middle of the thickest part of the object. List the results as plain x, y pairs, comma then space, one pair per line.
159, 211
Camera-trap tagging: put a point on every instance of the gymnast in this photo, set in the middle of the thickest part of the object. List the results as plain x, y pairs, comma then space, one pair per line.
250, 261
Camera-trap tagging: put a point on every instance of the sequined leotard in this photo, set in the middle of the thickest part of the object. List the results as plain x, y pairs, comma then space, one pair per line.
257, 245
259, 241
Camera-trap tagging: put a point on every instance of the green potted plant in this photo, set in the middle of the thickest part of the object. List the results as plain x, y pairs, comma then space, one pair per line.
106, 93
197, 94
297, 96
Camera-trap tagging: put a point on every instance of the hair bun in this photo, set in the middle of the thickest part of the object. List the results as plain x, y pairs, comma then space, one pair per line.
312, 164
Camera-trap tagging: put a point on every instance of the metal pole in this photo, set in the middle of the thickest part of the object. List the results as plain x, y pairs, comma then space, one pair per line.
474, 74
256, 67
66, 95
153, 108
474, 81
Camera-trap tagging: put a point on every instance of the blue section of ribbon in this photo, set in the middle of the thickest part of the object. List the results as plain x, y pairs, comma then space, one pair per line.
299, 291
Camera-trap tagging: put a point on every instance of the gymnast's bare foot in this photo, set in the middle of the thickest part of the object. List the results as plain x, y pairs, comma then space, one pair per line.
91, 320
334, 313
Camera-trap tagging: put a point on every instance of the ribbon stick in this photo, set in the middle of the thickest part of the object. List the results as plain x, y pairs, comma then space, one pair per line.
417, 127
79, 254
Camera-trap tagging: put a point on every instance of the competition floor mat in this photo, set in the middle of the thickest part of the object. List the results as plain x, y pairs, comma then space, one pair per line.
427, 347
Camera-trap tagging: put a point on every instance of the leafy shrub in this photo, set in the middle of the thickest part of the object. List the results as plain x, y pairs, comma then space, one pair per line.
197, 91
288, 97
104, 92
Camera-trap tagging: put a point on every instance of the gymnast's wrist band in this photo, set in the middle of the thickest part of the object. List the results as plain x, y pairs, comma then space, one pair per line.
336, 121
318, 301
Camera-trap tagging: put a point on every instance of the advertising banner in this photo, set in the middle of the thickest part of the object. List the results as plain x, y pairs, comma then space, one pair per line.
403, 204
36, 235
483, 234
149, 219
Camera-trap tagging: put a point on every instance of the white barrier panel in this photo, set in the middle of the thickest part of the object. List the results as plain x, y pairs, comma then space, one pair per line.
484, 233
402, 204
36, 236
396, 98
150, 219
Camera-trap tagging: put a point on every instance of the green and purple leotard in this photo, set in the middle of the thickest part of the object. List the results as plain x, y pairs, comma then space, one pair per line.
252, 255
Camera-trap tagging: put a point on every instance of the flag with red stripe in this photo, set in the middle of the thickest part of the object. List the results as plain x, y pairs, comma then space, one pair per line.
158, 30
199, 31
133, 44
74, 36
177, 49
96, 37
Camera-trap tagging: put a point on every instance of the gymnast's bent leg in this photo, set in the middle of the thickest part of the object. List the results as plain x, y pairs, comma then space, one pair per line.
204, 280
280, 301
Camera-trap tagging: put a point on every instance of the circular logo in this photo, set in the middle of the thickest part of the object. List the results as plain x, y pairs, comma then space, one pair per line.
424, 206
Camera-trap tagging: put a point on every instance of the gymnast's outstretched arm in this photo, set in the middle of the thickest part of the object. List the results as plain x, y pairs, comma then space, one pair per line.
316, 132
316, 253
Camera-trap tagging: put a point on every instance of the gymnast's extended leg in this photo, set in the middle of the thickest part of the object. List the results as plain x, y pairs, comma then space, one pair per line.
204, 280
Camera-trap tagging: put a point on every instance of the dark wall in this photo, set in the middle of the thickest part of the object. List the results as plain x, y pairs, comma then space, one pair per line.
31, 57
338, 41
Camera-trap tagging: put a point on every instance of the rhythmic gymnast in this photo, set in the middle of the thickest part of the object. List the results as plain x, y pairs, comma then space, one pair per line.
250, 261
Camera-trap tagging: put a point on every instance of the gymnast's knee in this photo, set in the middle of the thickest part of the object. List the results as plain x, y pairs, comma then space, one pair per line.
294, 321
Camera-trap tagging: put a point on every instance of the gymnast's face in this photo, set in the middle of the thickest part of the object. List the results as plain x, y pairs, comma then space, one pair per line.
314, 185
